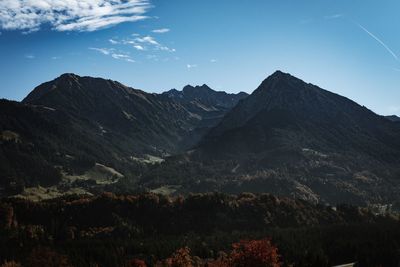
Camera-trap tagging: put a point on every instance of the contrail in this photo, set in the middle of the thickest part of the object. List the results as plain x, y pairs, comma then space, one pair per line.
379, 41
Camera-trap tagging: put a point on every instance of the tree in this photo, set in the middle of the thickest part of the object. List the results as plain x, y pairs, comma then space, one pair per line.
43, 256
255, 253
11, 264
181, 258
136, 263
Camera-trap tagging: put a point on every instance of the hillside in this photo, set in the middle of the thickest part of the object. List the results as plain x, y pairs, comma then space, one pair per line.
293, 138
68, 125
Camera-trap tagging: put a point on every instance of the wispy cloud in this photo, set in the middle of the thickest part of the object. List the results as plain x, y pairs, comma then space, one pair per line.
143, 43
113, 53
213, 60
147, 40
379, 41
191, 66
30, 56
334, 16
112, 41
166, 48
139, 47
104, 51
70, 15
163, 30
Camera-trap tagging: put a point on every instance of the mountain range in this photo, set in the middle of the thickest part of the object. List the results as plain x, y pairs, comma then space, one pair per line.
73, 122
288, 137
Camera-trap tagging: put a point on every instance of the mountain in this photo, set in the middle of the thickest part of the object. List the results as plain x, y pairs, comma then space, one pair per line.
293, 138
207, 104
134, 121
393, 118
148, 123
206, 96
285, 112
72, 124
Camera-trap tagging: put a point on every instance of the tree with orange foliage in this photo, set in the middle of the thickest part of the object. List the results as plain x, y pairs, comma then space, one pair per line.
43, 256
181, 258
222, 261
136, 263
255, 253
11, 264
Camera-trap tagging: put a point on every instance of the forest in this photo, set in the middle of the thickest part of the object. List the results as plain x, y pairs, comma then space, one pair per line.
210, 229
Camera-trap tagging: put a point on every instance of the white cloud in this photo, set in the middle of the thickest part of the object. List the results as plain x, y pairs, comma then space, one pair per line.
138, 47
70, 15
147, 39
104, 51
112, 52
163, 30
213, 60
55, 58
30, 56
166, 48
113, 41
147, 42
191, 66
120, 56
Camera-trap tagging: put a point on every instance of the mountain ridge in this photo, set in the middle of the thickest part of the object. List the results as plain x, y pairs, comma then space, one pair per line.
288, 137
84, 121
293, 138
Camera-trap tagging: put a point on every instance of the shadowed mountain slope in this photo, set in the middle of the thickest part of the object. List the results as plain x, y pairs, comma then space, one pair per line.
293, 138
70, 123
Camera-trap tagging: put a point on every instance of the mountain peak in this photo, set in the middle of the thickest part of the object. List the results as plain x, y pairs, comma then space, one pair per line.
279, 73
279, 76
191, 88
68, 75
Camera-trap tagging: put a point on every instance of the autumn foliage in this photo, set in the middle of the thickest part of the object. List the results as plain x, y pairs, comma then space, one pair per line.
11, 264
181, 258
43, 256
256, 253
136, 263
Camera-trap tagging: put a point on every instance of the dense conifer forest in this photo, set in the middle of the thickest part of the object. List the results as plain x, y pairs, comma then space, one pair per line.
198, 230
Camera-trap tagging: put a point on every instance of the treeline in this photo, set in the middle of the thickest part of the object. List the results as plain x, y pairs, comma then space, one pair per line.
110, 230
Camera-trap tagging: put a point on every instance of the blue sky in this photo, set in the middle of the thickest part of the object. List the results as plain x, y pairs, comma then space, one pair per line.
348, 47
